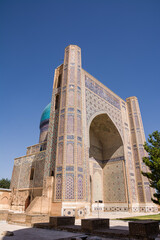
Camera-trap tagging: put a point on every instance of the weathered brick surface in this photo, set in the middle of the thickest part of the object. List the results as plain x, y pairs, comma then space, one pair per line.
3, 215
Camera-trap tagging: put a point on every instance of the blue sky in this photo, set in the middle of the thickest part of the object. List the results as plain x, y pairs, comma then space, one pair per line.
120, 42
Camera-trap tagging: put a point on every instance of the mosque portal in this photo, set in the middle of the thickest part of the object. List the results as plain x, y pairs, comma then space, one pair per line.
90, 150
106, 157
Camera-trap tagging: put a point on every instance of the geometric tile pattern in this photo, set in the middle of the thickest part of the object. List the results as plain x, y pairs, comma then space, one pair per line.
80, 186
59, 186
93, 86
114, 183
95, 104
70, 153
69, 187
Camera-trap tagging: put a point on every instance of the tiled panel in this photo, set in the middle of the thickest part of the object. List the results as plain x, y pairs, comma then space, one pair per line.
39, 173
80, 186
61, 128
69, 192
114, 185
93, 86
70, 153
71, 98
60, 153
70, 124
72, 75
79, 154
95, 104
59, 186
63, 99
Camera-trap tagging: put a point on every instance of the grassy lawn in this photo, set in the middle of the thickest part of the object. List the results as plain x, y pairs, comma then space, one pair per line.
146, 217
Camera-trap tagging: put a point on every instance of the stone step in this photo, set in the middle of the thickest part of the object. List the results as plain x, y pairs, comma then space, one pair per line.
26, 219
16, 218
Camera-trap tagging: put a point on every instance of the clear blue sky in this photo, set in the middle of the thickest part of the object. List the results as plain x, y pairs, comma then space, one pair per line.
120, 42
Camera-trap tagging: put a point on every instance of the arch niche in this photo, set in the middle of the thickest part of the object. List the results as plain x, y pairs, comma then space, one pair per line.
106, 160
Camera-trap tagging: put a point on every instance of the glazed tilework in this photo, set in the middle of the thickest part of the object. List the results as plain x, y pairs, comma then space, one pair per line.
114, 183
71, 97
95, 104
148, 194
79, 76
103, 162
79, 154
80, 186
97, 185
39, 173
70, 153
69, 212
60, 153
65, 76
70, 168
72, 74
94, 87
72, 56
59, 169
79, 99
71, 137
69, 188
70, 124
61, 129
59, 186
63, 99
79, 126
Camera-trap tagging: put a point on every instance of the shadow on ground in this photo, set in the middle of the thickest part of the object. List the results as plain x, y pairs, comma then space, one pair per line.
39, 234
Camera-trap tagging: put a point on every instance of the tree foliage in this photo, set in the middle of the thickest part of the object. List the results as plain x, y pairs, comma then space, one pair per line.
5, 183
153, 164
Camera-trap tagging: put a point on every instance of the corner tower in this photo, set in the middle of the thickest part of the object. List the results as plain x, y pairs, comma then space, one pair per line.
65, 148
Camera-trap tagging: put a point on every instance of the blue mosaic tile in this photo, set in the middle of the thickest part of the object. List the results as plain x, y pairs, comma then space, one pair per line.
71, 109
94, 87
69, 168
78, 111
70, 137
80, 169
59, 169
79, 138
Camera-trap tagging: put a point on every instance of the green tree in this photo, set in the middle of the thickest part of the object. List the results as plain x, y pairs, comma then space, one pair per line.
5, 183
153, 164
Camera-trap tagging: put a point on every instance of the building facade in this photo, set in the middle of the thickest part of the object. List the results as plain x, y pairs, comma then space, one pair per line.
89, 153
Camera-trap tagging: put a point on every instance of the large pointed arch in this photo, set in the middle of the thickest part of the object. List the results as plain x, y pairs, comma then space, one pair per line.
106, 160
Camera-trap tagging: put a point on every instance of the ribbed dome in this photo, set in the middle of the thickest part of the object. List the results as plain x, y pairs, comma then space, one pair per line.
45, 114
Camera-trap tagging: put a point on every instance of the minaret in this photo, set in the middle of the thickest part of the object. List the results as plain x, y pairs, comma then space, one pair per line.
138, 139
65, 147
69, 160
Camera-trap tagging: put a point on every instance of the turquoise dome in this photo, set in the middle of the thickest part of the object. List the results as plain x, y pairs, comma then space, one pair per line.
46, 113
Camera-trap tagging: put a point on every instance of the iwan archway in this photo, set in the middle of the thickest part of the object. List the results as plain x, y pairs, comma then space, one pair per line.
107, 167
